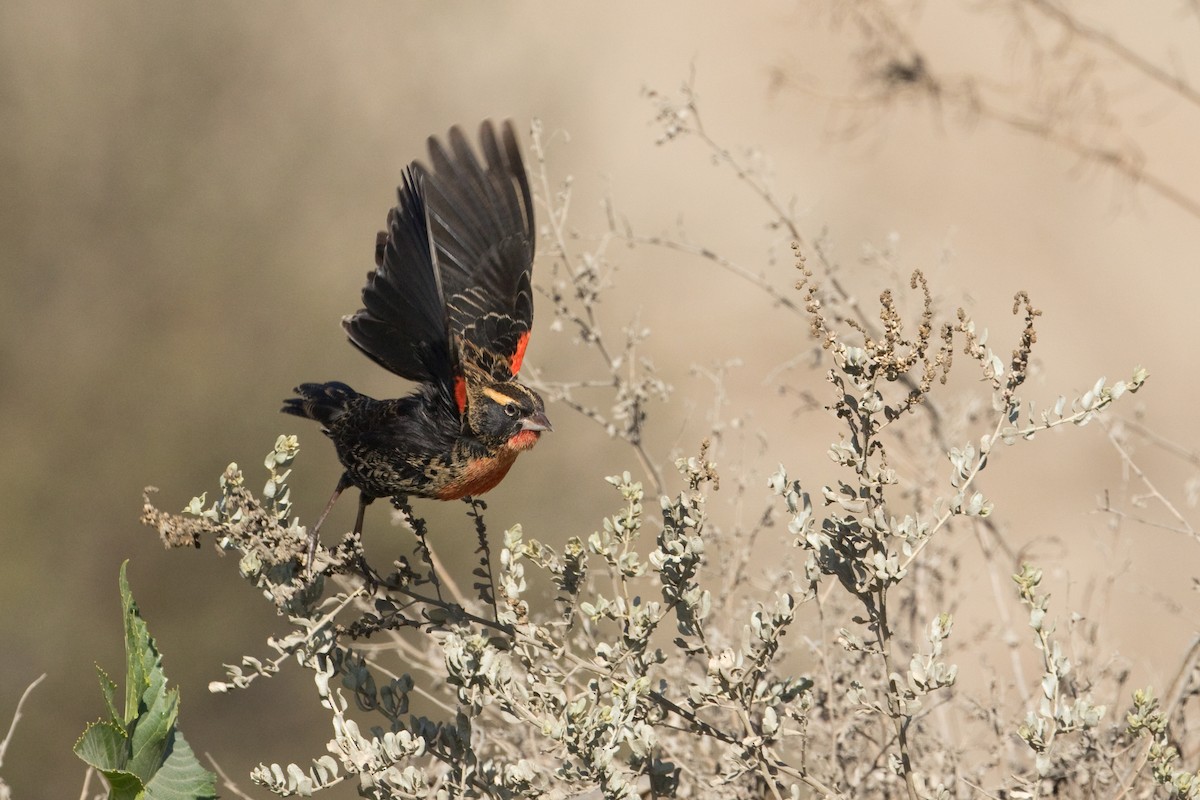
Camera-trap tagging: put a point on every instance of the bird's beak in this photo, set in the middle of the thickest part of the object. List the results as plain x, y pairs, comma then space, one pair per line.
537, 422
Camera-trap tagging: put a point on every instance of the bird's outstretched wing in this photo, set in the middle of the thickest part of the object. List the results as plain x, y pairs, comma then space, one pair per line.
402, 325
450, 298
482, 236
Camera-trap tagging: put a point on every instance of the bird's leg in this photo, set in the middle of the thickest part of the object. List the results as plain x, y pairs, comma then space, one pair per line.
371, 576
342, 485
364, 500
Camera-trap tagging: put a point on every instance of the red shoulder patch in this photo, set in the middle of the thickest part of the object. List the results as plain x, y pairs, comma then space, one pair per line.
517, 357
460, 394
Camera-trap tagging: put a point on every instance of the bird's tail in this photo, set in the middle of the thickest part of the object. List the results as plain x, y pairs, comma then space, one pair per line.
323, 402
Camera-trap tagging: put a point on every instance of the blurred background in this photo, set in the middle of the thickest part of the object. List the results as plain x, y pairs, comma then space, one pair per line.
191, 193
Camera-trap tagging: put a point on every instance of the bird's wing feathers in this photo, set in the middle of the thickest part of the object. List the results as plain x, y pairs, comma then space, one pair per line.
481, 227
402, 325
450, 296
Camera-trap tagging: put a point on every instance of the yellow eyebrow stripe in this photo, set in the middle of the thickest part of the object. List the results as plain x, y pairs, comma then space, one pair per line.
499, 397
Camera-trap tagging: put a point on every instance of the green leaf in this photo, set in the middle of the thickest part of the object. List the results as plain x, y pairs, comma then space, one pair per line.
141, 656
181, 776
108, 687
152, 733
139, 750
103, 745
124, 786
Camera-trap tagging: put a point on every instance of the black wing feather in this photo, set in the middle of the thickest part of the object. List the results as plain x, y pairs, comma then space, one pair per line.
452, 276
402, 325
481, 227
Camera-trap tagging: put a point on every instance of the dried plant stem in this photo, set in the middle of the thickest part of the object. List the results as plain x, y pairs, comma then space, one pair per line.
880, 26
1127, 460
1122, 51
556, 213
899, 717
12, 727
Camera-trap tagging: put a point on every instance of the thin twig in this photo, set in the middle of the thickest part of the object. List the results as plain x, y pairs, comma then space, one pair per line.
487, 592
17, 715
87, 783
420, 530
586, 323
1137, 471
878, 21
1183, 677
1117, 48
225, 779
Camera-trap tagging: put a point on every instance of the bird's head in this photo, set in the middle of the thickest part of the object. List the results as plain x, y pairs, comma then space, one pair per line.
507, 415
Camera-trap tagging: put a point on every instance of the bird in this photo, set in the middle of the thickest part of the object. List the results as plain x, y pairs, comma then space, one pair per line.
448, 306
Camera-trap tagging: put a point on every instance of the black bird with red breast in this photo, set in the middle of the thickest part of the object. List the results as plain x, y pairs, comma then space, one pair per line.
449, 305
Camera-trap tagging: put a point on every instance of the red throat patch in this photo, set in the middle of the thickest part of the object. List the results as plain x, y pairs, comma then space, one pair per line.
518, 356
523, 440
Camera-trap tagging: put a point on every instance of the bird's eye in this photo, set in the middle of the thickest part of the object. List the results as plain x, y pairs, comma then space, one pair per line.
511, 409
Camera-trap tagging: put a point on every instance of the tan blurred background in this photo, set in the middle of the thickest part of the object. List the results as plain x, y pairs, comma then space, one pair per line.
190, 197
